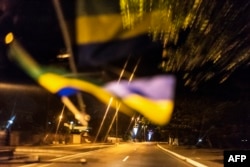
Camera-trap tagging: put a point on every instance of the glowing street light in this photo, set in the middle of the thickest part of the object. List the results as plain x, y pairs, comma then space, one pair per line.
60, 119
10, 122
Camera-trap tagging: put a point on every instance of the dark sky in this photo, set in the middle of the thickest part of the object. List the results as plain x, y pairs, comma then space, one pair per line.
36, 26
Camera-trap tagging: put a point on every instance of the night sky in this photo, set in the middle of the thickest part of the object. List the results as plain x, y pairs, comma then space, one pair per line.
36, 27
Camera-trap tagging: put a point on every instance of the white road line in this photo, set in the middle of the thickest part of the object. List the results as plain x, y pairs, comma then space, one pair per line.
194, 163
125, 159
27, 165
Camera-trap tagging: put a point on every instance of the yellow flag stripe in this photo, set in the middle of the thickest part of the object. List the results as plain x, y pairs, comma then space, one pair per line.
159, 112
54, 83
103, 28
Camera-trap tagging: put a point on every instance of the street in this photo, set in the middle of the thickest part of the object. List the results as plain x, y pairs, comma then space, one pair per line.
129, 155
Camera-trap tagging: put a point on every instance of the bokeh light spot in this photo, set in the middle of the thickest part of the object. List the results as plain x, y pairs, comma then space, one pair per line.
9, 38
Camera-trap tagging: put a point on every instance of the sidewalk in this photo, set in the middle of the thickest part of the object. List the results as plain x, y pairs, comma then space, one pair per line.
204, 157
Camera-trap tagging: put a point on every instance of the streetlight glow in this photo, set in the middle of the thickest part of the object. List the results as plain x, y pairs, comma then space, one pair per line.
9, 38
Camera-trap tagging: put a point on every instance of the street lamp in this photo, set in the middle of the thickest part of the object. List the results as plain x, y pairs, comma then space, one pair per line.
60, 119
135, 130
132, 119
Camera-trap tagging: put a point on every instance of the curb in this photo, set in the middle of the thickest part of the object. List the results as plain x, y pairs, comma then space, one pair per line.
188, 160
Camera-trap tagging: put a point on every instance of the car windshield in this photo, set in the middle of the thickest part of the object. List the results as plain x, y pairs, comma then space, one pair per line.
124, 82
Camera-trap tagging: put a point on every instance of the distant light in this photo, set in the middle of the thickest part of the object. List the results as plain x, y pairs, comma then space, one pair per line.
243, 140
200, 140
9, 38
150, 133
10, 122
135, 130
71, 122
63, 56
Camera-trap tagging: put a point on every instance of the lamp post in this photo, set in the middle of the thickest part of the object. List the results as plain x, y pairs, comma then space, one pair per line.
60, 119
132, 119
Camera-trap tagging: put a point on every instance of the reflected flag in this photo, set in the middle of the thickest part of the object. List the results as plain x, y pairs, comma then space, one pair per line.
100, 36
152, 97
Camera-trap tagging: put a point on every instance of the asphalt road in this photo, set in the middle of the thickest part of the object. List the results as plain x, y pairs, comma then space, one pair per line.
121, 155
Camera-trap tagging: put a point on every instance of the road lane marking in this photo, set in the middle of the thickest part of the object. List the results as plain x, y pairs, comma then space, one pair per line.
28, 165
192, 162
125, 159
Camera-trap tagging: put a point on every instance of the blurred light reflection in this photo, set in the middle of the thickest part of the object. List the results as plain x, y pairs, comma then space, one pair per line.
206, 37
